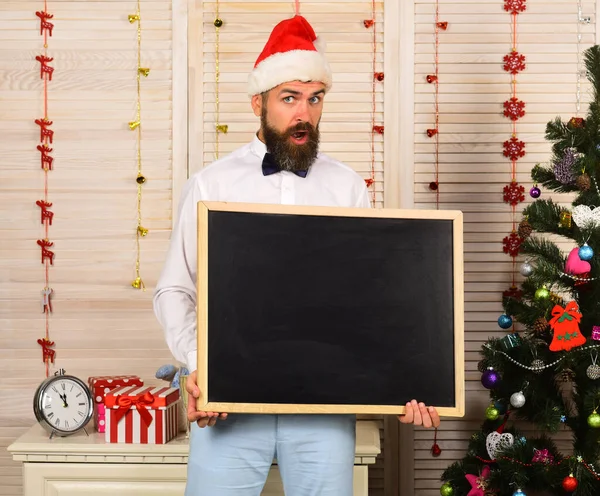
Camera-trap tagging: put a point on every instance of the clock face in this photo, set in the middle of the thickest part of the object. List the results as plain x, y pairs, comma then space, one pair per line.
65, 405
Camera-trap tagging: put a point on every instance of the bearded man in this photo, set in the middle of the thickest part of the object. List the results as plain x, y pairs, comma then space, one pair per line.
281, 165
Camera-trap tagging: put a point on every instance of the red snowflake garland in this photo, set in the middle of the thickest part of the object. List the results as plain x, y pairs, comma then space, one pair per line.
514, 193
512, 243
514, 109
514, 62
514, 148
514, 6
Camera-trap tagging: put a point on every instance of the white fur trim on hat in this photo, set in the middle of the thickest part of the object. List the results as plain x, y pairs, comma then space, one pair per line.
293, 65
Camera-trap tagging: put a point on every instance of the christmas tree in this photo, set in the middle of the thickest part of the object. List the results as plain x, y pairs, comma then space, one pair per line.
544, 371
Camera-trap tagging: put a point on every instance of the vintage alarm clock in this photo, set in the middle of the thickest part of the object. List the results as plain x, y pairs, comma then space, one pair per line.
63, 404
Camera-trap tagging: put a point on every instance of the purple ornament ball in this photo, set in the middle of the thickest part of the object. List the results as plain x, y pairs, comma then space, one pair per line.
535, 192
490, 379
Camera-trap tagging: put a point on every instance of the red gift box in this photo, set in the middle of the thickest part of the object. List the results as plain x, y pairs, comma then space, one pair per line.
100, 417
100, 385
141, 415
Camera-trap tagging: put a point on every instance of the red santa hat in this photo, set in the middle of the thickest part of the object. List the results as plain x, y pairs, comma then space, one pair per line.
292, 53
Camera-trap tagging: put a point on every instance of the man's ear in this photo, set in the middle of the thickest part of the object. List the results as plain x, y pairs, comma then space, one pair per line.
257, 103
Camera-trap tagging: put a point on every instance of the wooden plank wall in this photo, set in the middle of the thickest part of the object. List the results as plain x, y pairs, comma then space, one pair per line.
100, 324
473, 87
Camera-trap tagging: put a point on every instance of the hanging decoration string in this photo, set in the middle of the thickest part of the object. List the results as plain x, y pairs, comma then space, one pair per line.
434, 79
219, 128
136, 125
47, 164
540, 368
297, 6
378, 77
514, 148
580, 72
434, 134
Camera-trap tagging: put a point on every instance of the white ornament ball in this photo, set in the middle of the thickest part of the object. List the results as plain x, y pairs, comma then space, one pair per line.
538, 366
526, 269
593, 372
517, 399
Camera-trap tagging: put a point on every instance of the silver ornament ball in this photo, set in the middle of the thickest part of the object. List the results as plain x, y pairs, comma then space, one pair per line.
517, 399
538, 366
526, 269
593, 372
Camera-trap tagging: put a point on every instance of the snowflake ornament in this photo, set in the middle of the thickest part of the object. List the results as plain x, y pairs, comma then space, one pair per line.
514, 109
514, 6
514, 62
511, 244
514, 193
514, 148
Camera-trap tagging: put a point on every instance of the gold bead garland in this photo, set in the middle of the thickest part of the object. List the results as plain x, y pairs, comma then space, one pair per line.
136, 125
219, 128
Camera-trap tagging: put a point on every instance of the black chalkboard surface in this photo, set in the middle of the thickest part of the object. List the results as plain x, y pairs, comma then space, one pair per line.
329, 310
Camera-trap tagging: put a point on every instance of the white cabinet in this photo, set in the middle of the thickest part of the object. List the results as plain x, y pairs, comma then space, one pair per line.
86, 466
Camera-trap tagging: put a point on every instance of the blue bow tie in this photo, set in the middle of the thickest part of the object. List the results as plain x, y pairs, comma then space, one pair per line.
269, 166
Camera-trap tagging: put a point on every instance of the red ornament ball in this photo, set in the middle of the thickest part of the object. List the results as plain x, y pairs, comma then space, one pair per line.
436, 450
569, 483
433, 186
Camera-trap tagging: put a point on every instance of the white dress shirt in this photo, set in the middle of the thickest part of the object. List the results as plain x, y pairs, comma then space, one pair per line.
237, 177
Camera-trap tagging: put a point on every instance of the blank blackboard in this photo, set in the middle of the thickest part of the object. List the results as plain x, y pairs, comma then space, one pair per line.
329, 310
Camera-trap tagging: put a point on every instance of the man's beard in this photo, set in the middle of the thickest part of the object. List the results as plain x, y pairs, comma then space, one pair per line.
288, 155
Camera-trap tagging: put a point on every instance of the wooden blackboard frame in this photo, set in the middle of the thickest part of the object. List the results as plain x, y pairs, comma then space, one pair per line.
202, 306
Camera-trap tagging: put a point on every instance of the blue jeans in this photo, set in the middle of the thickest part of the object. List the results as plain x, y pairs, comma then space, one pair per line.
314, 453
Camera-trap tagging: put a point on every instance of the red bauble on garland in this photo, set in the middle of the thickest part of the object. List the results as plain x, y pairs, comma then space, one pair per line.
569, 483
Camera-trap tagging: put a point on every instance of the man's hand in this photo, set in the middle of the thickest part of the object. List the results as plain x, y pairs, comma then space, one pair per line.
419, 414
203, 419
